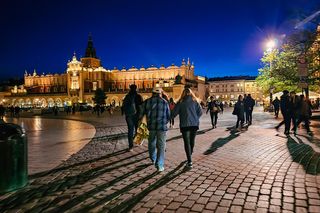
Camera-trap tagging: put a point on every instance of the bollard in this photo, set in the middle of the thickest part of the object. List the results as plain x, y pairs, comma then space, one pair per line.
13, 157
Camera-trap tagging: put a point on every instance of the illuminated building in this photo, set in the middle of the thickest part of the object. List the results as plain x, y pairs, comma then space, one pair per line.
84, 76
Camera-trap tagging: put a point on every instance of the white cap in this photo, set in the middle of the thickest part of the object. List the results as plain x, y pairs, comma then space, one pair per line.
157, 90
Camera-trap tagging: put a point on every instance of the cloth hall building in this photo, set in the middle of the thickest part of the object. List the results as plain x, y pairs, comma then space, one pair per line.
84, 76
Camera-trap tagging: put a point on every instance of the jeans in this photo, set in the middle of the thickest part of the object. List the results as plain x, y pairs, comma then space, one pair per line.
132, 123
214, 118
276, 111
188, 139
157, 146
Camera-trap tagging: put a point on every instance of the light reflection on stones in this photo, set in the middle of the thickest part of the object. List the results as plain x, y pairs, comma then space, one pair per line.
50, 141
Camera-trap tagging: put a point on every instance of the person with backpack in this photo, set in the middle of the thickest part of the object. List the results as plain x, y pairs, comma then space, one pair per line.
157, 112
214, 108
131, 109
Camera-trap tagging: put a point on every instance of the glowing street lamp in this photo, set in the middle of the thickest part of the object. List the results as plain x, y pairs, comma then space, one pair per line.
271, 45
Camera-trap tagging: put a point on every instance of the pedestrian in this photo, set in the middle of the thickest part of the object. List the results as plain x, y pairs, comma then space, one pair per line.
189, 111
17, 111
245, 108
304, 113
284, 107
157, 111
2, 112
131, 110
276, 106
239, 112
249, 103
221, 107
293, 110
213, 108
172, 104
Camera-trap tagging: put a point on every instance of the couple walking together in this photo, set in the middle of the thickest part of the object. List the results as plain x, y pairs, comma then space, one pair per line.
158, 115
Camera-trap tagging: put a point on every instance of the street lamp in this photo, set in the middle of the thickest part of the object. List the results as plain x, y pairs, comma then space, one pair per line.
270, 47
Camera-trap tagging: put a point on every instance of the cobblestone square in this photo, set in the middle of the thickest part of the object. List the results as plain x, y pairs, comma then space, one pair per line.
255, 170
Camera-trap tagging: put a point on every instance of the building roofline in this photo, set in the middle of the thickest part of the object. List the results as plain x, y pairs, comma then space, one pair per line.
240, 77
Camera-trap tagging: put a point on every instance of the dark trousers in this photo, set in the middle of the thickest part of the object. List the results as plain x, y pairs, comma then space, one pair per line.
293, 119
306, 121
172, 121
246, 115
249, 116
214, 118
132, 123
188, 139
240, 119
276, 111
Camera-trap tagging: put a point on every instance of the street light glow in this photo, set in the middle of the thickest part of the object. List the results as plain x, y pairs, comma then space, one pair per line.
271, 44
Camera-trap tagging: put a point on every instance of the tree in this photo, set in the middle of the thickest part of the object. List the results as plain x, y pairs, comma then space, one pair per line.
99, 97
280, 67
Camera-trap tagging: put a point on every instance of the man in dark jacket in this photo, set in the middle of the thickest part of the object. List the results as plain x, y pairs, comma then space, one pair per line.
131, 109
249, 103
284, 106
276, 105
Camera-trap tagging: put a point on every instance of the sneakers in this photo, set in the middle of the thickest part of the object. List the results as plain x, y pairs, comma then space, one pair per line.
160, 168
189, 165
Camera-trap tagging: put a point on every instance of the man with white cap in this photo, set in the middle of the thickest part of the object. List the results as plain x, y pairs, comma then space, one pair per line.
157, 112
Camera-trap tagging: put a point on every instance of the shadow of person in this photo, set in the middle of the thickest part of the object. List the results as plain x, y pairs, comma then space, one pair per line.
222, 141
304, 155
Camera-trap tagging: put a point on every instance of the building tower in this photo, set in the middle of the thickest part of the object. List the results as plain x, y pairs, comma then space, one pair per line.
90, 60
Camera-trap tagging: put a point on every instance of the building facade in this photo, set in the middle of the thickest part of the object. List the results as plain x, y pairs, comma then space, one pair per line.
84, 76
228, 89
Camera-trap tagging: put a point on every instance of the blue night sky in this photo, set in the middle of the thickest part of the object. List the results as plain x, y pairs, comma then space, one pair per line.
221, 37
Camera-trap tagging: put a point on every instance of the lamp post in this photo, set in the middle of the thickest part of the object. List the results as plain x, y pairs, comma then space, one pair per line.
270, 47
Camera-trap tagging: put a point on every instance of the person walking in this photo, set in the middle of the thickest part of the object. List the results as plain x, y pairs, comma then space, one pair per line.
249, 103
171, 106
239, 112
284, 107
157, 111
276, 106
221, 107
245, 108
2, 111
293, 110
213, 108
131, 109
189, 111
304, 113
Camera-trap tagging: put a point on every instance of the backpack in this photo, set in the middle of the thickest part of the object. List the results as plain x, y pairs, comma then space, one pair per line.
129, 105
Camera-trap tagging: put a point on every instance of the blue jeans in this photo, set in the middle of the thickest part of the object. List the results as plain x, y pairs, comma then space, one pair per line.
132, 123
157, 146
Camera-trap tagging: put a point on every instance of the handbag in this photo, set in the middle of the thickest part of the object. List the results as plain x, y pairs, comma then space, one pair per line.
142, 132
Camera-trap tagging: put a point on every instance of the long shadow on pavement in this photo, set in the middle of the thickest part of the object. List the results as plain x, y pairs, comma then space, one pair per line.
89, 194
31, 193
222, 141
58, 169
127, 205
306, 156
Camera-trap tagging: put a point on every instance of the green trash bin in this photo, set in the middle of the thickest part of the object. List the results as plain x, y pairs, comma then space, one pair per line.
13, 157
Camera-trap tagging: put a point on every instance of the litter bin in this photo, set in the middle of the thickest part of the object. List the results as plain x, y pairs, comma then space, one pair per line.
13, 157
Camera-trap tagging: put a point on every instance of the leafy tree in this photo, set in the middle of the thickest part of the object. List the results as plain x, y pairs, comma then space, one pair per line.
280, 67
99, 97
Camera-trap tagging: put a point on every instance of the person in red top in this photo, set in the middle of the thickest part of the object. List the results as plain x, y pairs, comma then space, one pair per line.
171, 106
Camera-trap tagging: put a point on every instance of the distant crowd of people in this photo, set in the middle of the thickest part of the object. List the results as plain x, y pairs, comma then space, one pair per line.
14, 111
294, 109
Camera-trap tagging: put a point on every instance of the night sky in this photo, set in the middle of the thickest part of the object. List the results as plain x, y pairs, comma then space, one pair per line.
221, 37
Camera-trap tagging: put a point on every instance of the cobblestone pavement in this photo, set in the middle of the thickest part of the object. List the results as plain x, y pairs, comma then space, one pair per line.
255, 170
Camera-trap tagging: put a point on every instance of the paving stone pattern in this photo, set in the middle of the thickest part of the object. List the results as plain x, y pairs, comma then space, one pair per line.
255, 170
